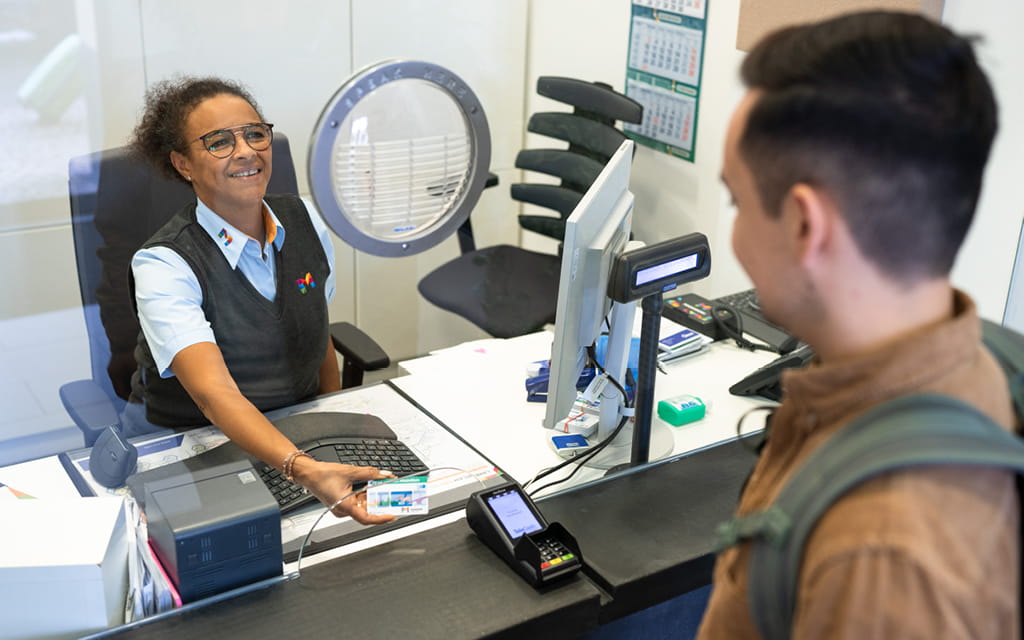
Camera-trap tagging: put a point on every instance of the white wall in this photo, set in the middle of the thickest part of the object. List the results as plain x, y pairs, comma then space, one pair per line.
985, 264
589, 40
485, 44
673, 197
294, 55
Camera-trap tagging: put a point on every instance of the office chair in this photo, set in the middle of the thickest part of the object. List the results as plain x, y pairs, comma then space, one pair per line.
117, 203
509, 291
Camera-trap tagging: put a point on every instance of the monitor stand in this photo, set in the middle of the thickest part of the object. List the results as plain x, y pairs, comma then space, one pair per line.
624, 451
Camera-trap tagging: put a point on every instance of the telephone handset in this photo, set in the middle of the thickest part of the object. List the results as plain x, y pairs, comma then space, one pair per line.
508, 522
765, 381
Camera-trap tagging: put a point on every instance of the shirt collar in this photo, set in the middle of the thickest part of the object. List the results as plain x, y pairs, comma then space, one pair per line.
229, 238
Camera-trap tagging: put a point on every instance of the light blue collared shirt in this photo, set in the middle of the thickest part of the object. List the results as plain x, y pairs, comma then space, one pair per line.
169, 296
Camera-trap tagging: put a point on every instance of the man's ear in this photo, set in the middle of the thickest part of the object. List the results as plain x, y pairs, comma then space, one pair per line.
181, 163
809, 215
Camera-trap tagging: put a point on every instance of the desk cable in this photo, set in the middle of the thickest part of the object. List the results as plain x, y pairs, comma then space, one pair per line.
384, 481
600, 446
755, 448
578, 461
732, 326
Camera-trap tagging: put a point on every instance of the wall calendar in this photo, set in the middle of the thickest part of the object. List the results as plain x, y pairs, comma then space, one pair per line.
663, 72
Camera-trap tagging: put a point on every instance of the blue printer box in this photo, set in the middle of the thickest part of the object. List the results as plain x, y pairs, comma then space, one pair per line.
214, 529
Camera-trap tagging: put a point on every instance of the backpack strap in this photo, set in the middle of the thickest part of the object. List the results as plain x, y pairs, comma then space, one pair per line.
1007, 346
916, 430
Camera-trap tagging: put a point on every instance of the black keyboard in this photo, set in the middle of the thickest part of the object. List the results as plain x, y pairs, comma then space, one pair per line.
754, 322
742, 301
385, 454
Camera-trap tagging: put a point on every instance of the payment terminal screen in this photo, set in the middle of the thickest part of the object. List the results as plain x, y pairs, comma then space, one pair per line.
513, 514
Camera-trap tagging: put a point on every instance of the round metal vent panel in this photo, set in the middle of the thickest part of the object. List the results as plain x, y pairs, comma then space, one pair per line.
399, 157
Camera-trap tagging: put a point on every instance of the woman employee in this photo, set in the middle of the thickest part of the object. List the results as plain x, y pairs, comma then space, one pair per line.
232, 292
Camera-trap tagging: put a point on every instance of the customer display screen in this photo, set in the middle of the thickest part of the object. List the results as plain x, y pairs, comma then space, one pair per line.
666, 269
513, 513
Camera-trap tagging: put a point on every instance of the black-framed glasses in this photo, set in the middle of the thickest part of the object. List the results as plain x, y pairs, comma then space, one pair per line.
221, 143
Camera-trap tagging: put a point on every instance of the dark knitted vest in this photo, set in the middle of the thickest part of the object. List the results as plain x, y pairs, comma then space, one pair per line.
273, 350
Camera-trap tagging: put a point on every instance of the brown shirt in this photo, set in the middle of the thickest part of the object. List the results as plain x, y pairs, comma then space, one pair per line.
925, 553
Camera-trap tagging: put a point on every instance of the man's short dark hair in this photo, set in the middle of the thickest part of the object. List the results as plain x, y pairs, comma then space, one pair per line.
168, 105
891, 115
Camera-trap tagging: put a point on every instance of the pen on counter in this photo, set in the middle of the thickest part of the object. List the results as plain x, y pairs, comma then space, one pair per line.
21, 495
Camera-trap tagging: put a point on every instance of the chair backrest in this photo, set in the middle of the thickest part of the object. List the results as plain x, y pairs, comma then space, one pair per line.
117, 202
592, 136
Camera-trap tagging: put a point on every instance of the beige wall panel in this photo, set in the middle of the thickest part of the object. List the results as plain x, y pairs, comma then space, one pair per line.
759, 17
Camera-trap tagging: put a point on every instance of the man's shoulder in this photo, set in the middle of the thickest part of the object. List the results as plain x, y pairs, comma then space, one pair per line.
935, 517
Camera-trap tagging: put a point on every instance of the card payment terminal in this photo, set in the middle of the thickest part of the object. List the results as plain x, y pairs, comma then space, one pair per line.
508, 522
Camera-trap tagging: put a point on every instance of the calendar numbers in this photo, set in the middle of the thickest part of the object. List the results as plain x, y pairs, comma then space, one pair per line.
666, 50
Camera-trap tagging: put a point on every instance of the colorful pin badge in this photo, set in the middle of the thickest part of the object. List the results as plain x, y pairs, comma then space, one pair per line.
224, 236
305, 284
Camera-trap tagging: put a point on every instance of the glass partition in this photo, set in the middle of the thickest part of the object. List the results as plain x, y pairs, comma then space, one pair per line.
43, 121
73, 75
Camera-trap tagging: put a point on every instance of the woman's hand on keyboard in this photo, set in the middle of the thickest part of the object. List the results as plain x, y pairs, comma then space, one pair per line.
330, 482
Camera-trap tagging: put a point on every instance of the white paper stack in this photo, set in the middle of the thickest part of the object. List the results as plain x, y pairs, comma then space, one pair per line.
63, 566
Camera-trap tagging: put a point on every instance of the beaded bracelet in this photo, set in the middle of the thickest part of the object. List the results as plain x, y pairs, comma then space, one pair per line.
289, 463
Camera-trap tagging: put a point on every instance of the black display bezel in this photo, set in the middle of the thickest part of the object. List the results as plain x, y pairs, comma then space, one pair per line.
622, 285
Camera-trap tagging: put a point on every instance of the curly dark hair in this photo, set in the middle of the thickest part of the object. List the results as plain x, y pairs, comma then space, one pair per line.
168, 105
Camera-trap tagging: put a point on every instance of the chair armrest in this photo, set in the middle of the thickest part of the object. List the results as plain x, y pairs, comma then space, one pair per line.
90, 407
359, 352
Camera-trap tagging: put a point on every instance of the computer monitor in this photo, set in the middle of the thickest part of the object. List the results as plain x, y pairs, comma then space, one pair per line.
595, 234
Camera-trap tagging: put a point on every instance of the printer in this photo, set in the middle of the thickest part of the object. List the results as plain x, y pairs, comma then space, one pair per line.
214, 529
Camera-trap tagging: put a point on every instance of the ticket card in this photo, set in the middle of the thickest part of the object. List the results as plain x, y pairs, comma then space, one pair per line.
399, 497
679, 340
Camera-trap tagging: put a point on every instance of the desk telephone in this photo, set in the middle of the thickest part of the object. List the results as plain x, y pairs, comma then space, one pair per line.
695, 312
765, 380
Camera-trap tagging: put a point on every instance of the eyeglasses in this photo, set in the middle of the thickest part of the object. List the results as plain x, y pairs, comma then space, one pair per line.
221, 143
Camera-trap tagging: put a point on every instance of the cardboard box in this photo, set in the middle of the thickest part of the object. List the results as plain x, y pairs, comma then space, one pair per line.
63, 567
759, 17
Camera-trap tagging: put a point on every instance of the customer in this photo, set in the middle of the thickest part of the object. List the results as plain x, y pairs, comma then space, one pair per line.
232, 292
855, 161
